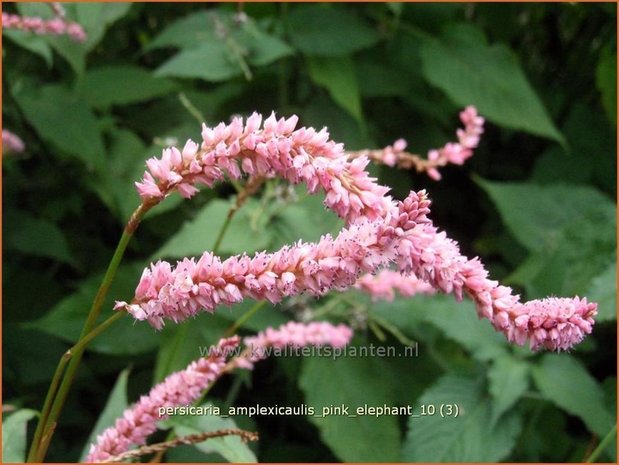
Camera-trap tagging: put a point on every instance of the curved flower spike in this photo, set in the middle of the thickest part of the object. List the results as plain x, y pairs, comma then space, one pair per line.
181, 388
379, 233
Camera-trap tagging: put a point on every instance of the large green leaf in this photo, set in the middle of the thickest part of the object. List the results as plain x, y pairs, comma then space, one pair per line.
245, 233
115, 406
34, 43
100, 87
14, 429
210, 61
470, 71
231, 448
565, 382
468, 437
64, 120
261, 48
570, 231
508, 379
603, 290
216, 47
36, 236
459, 322
536, 215
319, 30
351, 382
187, 32
338, 76
180, 344
14, 435
126, 164
307, 219
125, 337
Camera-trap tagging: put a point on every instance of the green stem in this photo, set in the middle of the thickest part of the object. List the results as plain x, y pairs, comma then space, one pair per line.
603, 444
56, 396
190, 107
243, 318
224, 228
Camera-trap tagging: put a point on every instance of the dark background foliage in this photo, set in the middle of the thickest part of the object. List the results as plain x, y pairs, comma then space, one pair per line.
536, 202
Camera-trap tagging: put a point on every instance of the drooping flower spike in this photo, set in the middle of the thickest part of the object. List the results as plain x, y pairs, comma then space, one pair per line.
332, 263
292, 334
56, 26
452, 152
271, 149
184, 387
181, 388
384, 284
380, 233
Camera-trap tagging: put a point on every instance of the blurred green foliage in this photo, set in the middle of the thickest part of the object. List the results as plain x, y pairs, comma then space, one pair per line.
536, 202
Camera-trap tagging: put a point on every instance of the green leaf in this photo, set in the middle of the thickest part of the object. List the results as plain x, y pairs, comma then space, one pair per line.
34, 43
469, 437
459, 322
100, 87
570, 231
508, 379
125, 337
14, 429
606, 81
181, 344
324, 31
379, 80
244, 234
36, 236
187, 32
307, 219
115, 406
210, 61
126, 163
470, 71
261, 48
536, 215
64, 120
231, 448
603, 290
96, 18
351, 382
338, 76
215, 47
564, 381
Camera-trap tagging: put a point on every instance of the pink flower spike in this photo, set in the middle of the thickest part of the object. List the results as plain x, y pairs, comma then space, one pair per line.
55, 26
178, 389
331, 263
383, 285
452, 152
293, 334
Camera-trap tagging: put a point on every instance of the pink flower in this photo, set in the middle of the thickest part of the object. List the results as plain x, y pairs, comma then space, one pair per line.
293, 334
554, 324
55, 26
332, 263
179, 389
453, 152
384, 284
269, 148
11, 143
